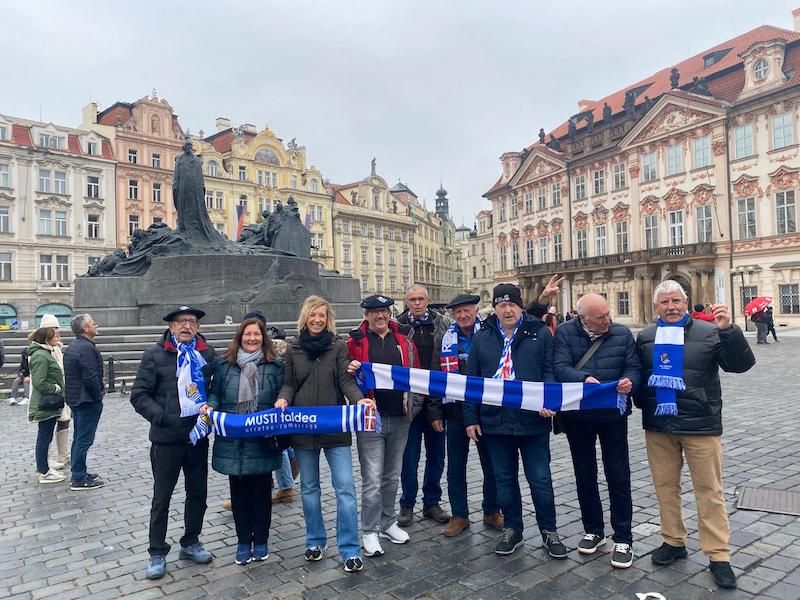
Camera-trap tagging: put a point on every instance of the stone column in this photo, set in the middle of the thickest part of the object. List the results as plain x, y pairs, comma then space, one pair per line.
640, 300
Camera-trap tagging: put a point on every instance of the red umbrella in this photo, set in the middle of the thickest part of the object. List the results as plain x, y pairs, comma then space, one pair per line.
757, 305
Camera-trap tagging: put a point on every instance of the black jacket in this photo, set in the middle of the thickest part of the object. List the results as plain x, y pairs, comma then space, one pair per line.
83, 372
614, 359
23, 370
705, 350
532, 353
155, 390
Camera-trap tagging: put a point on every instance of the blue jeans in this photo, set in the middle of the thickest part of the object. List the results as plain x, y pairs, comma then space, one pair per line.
283, 476
340, 462
434, 463
85, 418
505, 452
457, 453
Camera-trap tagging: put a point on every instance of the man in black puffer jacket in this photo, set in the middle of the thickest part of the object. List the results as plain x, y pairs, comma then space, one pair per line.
613, 358
695, 431
155, 396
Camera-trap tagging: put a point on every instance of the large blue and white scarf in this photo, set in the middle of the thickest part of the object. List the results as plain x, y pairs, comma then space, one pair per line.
310, 420
525, 395
191, 380
448, 355
505, 369
667, 376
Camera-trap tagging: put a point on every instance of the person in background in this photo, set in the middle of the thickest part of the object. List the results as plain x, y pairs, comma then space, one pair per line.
761, 321
771, 325
64, 419
23, 379
699, 313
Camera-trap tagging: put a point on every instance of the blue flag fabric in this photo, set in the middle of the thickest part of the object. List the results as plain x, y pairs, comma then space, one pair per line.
525, 395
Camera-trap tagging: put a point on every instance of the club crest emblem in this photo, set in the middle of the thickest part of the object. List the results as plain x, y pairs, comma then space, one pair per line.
664, 358
192, 392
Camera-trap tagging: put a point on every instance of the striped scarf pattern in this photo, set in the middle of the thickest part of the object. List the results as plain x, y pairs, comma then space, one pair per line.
448, 355
191, 380
505, 369
667, 375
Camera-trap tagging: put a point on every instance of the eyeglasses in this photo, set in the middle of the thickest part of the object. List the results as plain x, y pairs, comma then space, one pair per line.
415, 300
185, 321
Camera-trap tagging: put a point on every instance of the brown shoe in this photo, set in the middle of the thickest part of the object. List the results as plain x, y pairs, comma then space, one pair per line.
405, 517
435, 512
494, 520
283, 495
295, 468
455, 526
227, 505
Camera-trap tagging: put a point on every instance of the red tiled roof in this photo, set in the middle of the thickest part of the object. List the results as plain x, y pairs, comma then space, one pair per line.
340, 199
108, 152
119, 112
73, 145
21, 135
498, 185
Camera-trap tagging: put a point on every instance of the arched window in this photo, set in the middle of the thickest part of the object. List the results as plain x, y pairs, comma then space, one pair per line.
212, 168
267, 156
8, 317
62, 312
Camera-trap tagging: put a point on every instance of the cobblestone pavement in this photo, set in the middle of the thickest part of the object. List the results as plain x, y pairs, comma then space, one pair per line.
54, 542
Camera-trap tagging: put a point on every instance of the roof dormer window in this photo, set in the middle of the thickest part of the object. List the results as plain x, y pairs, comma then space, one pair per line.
714, 57
760, 69
51, 141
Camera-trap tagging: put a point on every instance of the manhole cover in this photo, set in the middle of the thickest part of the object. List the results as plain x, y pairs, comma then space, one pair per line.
774, 501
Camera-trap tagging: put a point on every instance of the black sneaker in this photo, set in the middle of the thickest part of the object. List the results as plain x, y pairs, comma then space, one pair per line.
315, 553
622, 557
666, 554
590, 543
553, 544
86, 484
722, 573
351, 565
510, 540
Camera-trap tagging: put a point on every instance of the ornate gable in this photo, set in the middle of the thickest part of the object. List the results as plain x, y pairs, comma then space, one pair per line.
675, 199
670, 115
620, 212
536, 166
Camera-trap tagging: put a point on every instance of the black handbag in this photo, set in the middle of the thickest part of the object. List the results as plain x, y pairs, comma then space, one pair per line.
51, 401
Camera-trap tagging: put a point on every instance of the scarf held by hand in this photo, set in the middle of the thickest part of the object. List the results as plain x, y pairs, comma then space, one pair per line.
191, 380
667, 376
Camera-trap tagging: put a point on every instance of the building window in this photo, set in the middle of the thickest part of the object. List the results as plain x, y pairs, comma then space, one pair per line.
44, 180
156, 192
760, 69
5, 221
743, 138
704, 224
600, 240
315, 188
61, 223
364, 283
91, 148
132, 156
514, 207
542, 198
674, 160
580, 236
542, 250
243, 202
515, 254
623, 303
528, 197
378, 283
346, 254
293, 182
392, 258
60, 182
702, 152
580, 187
156, 161
558, 254
556, 194
133, 189
651, 231
45, 268
133, 224
93, 226
503, 259
790, 299
4, 179
782, 134
62, 268
220, 201
502, 216
599, 182
649, 170
749, 292
364, 255
676, 228
212, 168
404, 258
209, 199
45, 222
92, 186
393, 284
474, 272
5, 266
620, 180
51, 141
529, 252
3, 132
747, 218
786, 212
378, 256
242, 173
622, 236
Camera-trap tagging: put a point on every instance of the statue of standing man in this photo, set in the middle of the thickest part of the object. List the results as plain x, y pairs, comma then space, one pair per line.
188, 193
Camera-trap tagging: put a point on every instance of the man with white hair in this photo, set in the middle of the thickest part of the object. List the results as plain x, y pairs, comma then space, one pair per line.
682, 416
593, 349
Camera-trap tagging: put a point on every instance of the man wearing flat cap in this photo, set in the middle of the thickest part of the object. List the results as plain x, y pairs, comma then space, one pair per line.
452, 355
380, 340
173, 374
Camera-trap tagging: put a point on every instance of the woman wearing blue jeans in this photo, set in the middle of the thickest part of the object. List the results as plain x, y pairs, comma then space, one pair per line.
315, 374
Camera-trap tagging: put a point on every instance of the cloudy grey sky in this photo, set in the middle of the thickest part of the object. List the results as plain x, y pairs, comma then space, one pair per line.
433, 89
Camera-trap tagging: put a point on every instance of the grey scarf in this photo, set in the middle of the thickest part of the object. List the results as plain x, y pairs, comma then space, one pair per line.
248, 380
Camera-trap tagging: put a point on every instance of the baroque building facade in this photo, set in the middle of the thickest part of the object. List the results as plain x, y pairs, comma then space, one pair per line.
691, 174
57, 215
479, 250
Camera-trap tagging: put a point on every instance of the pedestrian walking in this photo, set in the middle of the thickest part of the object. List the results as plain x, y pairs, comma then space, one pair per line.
23, 380
771, 325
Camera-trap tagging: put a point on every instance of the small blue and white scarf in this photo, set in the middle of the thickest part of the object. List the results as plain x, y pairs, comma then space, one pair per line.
191, 380
505, 369
448, 355
425, 319
667, 376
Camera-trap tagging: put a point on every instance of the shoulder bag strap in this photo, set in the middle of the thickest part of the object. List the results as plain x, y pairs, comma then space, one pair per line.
589, 353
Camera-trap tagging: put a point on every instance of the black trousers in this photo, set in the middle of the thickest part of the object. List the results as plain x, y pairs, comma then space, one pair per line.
613, 435
251, 501
167, 461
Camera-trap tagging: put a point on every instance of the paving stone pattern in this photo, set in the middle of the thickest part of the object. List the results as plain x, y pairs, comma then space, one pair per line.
58, 543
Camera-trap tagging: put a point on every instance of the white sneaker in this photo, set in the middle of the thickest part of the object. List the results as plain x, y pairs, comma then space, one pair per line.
24, 401
394, 534
51, 477
12, 401
372, 547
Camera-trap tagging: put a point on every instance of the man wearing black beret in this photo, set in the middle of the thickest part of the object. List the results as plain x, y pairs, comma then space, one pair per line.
158, 396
